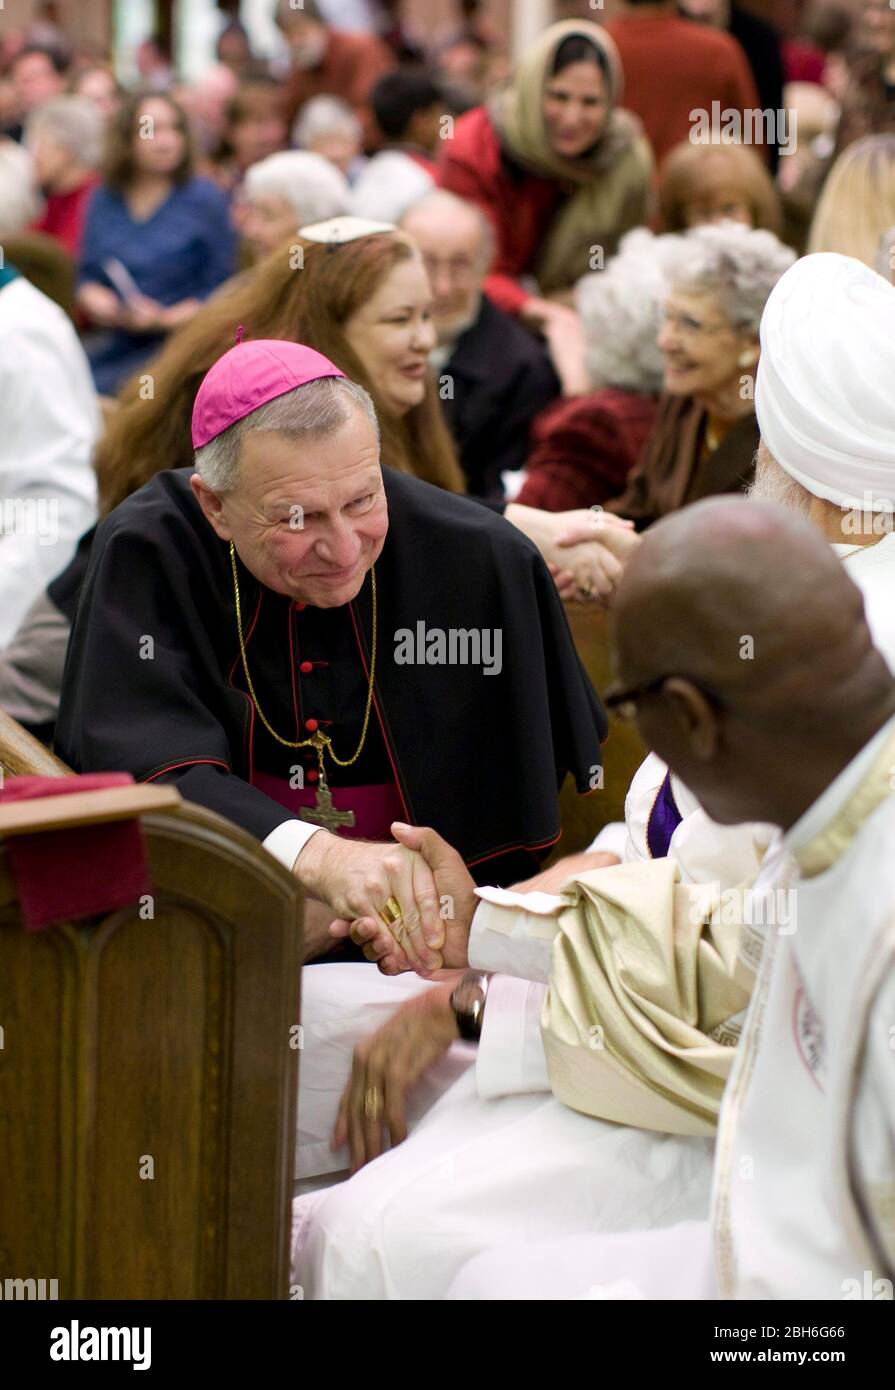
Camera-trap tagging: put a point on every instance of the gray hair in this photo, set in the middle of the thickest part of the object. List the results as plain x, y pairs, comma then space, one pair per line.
740, 264
773, 484
324, 116
315, 188
19, 200
314, 411
74, 123
442, 200
621, 307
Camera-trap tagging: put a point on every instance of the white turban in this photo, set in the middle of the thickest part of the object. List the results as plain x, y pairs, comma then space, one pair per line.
825, 395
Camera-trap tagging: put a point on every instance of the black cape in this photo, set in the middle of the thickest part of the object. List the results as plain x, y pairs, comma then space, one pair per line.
154, 685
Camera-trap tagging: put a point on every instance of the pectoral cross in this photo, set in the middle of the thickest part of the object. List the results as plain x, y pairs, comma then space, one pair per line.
323, 812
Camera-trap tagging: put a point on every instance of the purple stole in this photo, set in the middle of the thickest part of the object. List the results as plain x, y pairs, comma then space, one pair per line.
664, 819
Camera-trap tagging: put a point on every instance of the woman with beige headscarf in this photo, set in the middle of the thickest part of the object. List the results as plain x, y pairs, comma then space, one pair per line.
559, 169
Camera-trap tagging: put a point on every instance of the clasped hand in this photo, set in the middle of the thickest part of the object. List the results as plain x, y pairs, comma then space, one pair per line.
585, 549
457, 889
448, 898
363, 883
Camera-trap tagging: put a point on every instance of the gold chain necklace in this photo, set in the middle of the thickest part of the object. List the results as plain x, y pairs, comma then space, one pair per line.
318, 740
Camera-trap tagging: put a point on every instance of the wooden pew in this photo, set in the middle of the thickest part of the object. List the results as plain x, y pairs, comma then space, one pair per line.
623, 751
149, 1062
21, 755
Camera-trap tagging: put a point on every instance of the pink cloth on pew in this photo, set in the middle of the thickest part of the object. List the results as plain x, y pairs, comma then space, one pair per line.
65, 875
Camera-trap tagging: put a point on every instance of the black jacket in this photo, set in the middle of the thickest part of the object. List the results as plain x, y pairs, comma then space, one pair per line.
498, 379
761, 44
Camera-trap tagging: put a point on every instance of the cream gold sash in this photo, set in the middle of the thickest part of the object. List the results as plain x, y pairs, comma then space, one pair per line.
642, 1016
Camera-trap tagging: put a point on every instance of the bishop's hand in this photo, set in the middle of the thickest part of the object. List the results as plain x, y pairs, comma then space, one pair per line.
363, 880
457, 904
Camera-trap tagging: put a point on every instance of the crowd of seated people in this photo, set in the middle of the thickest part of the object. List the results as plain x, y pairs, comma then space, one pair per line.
405, 332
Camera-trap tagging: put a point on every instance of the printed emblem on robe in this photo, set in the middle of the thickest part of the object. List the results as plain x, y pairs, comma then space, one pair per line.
809, 1034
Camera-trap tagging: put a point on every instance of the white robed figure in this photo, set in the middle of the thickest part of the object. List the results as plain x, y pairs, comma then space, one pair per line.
803, 1202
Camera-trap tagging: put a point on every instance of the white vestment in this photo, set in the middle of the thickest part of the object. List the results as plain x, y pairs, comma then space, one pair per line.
51, 423
804, 1192
872, 567
493, 1157
804, 1186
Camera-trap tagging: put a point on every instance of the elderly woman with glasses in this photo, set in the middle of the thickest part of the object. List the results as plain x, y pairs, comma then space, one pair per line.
705, 435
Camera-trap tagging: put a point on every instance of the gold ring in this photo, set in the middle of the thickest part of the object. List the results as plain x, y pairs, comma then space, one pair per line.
373, 1103
391, 912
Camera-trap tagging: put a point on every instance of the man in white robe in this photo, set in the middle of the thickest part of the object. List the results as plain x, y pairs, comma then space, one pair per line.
803, 1201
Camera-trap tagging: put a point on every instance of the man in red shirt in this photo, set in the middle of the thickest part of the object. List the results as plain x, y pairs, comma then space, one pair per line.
65, 139
674, 68
332, 62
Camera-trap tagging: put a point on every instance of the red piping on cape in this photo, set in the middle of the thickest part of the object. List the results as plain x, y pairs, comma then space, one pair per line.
187, 762
511, 849
291, 620
248, 638
378, 715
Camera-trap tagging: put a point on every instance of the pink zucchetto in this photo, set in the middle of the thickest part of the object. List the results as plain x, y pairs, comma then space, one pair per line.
247, 377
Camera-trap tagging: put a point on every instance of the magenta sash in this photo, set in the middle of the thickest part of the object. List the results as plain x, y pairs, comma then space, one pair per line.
374, 807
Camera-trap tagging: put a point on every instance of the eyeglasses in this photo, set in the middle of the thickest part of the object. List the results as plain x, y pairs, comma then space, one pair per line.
622, 701
689, 327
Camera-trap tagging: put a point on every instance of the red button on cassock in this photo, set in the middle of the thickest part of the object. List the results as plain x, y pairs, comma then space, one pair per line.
299, 607
306, 667
313, 775
311, 725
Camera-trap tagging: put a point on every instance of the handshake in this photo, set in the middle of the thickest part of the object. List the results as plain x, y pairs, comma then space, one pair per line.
409, 905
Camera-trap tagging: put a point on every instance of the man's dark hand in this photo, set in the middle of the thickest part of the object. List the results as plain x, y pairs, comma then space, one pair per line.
457, 904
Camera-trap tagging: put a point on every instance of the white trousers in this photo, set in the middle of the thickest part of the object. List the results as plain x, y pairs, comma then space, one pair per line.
472, 1176
674, 1263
